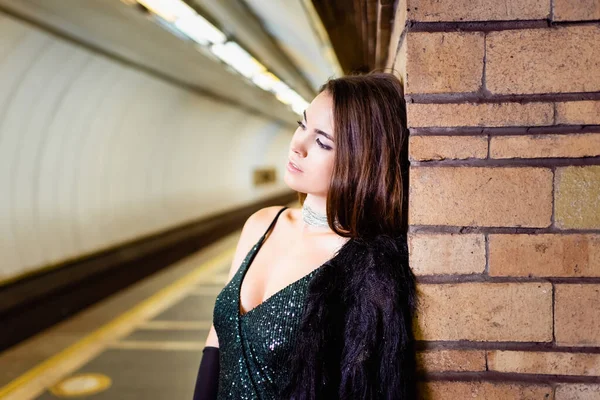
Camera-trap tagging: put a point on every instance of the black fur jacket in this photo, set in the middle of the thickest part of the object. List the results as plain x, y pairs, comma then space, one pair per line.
356, 339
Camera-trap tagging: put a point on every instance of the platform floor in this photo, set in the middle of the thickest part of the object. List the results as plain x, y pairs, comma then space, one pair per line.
143, 343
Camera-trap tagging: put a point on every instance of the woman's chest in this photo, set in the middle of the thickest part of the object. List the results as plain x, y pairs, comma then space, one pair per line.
267, 332
281, 263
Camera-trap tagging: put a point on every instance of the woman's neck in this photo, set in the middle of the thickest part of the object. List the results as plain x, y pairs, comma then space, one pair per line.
314, 215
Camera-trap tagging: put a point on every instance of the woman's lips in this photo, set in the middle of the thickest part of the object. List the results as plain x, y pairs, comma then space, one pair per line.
291, 168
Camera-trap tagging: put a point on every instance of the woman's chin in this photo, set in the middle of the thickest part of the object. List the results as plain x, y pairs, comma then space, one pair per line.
288, 180
291, 181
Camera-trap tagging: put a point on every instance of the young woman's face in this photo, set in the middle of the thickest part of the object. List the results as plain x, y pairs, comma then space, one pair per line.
312, 149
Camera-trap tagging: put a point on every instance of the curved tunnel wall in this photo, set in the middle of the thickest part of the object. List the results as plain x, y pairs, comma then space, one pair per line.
94, 153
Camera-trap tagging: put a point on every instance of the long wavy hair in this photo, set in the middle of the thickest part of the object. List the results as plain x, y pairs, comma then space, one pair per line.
356, 339
366, 191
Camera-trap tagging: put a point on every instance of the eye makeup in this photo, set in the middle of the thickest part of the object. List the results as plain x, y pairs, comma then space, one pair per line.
319, 132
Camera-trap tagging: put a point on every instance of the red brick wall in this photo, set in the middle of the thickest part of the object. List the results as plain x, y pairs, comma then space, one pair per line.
503, 102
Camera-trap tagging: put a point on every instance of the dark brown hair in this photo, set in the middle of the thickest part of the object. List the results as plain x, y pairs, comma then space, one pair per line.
366, 192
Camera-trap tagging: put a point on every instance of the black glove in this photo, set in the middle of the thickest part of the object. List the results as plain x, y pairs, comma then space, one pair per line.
207, 382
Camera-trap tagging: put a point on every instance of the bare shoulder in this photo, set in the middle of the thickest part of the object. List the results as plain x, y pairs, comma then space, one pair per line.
254, 227
260, 220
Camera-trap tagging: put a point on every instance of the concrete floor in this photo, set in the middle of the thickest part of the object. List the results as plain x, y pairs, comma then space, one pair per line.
146, 341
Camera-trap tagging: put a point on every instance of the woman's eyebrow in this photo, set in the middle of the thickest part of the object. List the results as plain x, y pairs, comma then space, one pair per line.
320, 132
328, 136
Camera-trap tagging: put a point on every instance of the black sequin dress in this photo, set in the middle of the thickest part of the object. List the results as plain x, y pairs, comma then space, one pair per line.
253, 346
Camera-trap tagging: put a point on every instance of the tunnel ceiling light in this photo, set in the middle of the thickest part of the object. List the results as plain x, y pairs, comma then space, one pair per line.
284, 93
299, 106
200, 30
232, 54
183, 21
265, 81
186, 20
269, 82
169, 10
290, 97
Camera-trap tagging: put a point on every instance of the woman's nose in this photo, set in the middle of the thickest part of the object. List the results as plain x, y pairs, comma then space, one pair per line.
299, 152
298, 147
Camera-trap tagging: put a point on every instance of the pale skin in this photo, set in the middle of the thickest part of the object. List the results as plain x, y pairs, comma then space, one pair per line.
292, 249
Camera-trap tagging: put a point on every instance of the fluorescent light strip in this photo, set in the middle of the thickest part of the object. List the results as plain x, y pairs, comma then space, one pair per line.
265, 80
183, 21
200, 30
169, 10
232, 54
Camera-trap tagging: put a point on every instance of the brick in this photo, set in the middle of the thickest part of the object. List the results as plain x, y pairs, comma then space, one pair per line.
544, 146
544, 255
440, 390
577, 197
480, 196
446, 253
577, 314
577, 391
478, 311
562, 59
477, 10
427, 148
451, 360
578, 112
444, 62
485, 114
544, 362
576, 10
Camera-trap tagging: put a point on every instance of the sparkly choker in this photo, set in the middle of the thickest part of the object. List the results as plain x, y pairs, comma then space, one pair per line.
313, 218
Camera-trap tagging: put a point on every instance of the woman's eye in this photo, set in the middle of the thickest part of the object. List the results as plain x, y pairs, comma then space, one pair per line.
322, 145
300, 124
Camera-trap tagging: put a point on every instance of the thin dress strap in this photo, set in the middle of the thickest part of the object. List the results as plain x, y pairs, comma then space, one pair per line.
262, 238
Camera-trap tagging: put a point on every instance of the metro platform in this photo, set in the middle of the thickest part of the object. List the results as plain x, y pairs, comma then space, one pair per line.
144, 342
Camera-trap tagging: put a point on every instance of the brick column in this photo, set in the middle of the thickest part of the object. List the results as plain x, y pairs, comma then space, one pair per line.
503, 102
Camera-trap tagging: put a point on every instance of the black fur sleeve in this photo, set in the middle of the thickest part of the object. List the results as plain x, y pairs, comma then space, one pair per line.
378, 356
356, 339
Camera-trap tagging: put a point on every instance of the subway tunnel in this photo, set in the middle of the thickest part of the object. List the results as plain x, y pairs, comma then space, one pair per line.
136, 137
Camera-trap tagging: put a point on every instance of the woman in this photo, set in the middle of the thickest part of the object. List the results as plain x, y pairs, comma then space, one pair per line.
324, 310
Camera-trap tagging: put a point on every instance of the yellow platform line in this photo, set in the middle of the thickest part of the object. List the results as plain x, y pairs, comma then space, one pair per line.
35, 381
